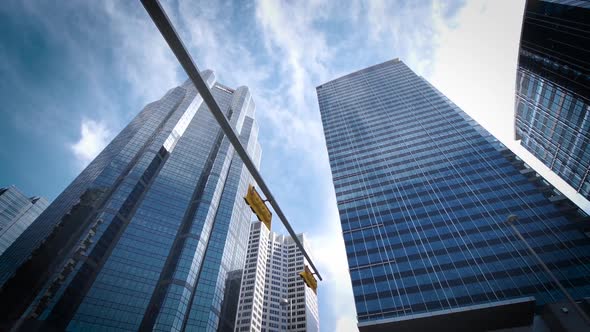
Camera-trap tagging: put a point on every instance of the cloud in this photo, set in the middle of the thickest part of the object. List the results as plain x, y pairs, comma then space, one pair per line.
216, 44
94, 136
405, 29
141, 55
101, 60
301, 49
300, 52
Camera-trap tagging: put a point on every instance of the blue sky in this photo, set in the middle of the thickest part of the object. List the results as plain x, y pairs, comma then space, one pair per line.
74, 75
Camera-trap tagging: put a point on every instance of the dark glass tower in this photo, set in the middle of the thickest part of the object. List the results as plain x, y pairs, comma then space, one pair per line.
145, 236
552, 117
423, 193
17, 212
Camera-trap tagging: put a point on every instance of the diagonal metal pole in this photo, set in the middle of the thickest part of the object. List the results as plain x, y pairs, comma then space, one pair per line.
163, 23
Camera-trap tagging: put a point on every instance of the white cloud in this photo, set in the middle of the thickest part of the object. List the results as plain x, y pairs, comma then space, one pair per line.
300, 52
118, 59
215, 44
142, 56
404, 30
299, 47
94, 136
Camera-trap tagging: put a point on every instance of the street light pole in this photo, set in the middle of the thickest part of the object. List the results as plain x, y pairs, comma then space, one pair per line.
511, 220
162, 22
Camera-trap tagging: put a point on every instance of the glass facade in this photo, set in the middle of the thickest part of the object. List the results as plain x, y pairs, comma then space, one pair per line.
153, 226
552, 117
423, 193
17, 212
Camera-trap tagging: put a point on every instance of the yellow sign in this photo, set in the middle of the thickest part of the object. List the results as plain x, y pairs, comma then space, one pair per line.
309, 279
258, 206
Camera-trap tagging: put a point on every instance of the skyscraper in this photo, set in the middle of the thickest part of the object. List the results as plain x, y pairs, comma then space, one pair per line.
552, 117
17, 212
272, 296
423, 193
145, 236
229, 306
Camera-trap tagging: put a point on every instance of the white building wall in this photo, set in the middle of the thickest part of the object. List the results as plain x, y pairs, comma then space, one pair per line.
271, 274
249, 314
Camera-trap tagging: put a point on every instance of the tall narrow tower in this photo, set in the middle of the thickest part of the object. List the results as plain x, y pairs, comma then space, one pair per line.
17, 213
272, 296
423, 194
552, 109
145, 236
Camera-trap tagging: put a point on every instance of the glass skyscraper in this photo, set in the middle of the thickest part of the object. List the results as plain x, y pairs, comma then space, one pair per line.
552, 117
145, 237
423, 193
17, 212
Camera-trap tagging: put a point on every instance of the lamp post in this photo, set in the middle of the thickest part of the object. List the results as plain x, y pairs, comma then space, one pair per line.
511, 220
284, 303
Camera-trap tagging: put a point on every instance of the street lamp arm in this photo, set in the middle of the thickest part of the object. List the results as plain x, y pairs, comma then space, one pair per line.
161, 20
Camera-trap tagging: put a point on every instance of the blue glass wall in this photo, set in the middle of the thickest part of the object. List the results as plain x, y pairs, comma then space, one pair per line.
169, 225
552, 111
423, 193
17, 213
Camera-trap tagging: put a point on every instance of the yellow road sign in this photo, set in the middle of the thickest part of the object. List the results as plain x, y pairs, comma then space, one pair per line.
258, 206
309, 279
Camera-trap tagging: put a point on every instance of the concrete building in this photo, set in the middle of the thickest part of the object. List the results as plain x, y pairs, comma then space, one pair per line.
273, 297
